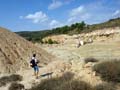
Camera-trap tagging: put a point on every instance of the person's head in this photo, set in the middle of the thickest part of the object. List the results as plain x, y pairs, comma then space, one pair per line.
34, 55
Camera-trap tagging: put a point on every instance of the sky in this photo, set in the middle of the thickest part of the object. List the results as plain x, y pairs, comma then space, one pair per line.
34, 15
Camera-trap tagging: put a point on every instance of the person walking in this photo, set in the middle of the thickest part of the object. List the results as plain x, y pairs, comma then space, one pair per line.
33, 64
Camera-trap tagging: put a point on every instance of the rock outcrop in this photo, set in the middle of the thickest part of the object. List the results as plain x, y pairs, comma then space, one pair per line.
16, 52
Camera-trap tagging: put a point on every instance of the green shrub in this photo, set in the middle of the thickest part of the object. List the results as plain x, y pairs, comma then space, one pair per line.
50, 41
7, 79
16, 86
75, 28
105, 86
109, 70
55, 42
90, 60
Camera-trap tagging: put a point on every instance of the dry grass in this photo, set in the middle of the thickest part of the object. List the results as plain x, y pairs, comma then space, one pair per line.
16, 86
65, 82
7, 79
101, 51
105, 86
109, 70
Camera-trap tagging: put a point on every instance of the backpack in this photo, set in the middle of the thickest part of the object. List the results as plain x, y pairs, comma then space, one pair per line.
32, 63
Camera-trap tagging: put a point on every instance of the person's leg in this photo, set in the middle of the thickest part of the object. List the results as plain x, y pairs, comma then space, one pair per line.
36, 71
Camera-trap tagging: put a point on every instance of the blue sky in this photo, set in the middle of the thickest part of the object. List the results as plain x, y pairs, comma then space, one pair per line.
31, 15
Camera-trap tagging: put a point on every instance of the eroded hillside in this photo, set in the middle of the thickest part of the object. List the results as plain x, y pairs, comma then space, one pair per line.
15, 52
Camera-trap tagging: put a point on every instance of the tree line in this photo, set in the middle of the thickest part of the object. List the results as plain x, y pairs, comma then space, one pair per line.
76, 28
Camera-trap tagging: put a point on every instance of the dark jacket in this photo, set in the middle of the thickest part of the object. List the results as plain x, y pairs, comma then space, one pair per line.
33, 63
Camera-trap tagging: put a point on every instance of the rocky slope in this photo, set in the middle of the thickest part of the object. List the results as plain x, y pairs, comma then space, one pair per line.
15, 52
106, 34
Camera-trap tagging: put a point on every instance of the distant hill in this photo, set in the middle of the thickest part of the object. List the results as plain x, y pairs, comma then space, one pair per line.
77, 28
108, 24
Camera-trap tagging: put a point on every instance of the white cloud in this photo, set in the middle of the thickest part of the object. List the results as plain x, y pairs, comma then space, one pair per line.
54, 24
78, 14
116, 13
77, 11
58, 3
37, 17
55, 4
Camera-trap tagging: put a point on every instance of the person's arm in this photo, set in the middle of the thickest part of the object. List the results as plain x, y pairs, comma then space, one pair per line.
31, 63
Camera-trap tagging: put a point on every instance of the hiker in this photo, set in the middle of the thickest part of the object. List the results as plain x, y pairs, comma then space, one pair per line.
33, 64
80, 43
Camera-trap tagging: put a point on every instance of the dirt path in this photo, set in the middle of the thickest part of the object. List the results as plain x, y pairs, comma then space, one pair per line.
53, 69
57, 68
71, 59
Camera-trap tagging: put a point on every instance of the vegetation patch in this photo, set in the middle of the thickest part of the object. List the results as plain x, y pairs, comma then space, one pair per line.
109, 70
90, 60
64, 82
105, 86
50, 41
7, 79
16, 86
76, 28
75, 85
